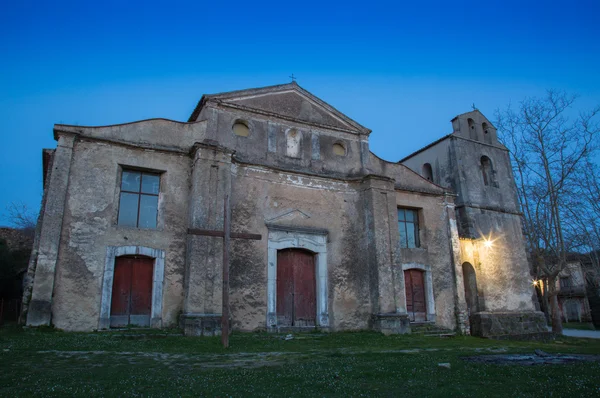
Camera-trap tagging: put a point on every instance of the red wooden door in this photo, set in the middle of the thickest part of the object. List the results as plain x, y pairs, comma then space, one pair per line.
415, 295
296, 288
132, 291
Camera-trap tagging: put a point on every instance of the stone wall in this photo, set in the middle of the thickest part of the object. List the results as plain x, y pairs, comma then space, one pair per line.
340, 205
262, 199
90, 228
498, 324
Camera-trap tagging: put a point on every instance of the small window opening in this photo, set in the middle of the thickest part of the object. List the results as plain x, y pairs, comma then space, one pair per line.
240, 128
486, 133
338, 149
487, 171
472, 130
427, 172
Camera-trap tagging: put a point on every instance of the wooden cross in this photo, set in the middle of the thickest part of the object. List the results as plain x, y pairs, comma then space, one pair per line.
226, 234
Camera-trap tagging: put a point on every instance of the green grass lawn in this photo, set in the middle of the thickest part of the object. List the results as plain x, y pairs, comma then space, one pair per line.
162, 363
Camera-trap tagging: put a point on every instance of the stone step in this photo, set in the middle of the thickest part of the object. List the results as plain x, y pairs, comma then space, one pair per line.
441, 335
430, 329
295, 329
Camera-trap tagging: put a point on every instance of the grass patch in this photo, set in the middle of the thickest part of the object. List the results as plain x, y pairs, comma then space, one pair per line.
164, 363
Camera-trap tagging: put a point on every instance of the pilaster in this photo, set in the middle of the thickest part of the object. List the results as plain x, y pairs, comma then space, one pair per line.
40, 307
387, 282
461, 311
210, 182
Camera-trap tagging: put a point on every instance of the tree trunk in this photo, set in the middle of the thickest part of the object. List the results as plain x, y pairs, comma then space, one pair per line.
542, 293
553, 298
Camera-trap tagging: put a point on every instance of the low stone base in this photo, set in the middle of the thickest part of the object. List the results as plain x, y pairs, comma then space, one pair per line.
201, 324
499, 324
390, 323
39, 313
296, 329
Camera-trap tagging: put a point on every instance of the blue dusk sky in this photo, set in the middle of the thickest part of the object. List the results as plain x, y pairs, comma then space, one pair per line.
402, 69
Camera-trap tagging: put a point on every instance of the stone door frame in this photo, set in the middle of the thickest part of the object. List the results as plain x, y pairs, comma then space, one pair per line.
428, 281
112, 252
290, 238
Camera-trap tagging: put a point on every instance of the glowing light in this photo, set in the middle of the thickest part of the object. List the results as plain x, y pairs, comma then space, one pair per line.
535, 282
487, 243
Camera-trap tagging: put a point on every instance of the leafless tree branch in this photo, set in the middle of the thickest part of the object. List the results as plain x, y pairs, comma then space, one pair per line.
551, 153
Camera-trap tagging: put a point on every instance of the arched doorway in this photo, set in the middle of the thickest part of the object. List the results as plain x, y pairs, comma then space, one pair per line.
470, 282
296, 288
131, 300
414, 283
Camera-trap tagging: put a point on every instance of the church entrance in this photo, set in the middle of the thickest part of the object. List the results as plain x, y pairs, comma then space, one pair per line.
296, 288
132, 291
414, 283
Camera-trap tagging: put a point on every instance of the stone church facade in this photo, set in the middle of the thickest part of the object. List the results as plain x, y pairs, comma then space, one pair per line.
129, 229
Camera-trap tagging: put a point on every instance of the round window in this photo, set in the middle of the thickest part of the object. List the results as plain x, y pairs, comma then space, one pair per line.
241, 129
338, 149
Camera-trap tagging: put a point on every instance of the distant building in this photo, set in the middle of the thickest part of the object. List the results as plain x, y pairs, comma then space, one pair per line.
132, 214
572, 297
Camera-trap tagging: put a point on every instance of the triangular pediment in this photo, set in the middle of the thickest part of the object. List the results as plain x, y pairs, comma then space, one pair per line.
474, 114
288, 101
289, 215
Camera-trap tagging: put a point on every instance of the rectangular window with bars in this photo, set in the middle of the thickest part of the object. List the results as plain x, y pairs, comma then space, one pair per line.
138, 202
408, 227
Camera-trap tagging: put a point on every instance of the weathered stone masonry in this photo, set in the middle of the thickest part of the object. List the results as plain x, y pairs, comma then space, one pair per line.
300, 174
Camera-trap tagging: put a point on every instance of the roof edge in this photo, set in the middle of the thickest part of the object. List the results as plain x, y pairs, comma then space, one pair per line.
62, 125
275, 88
426, 147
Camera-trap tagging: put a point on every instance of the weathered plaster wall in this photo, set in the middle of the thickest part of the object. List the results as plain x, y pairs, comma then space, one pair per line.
439, 157
502, 271
156, 133
484, 212
435, 251
260, 198
404, 178
476, 132
90, 225
46, 250
267, 142
500, 193
351, 199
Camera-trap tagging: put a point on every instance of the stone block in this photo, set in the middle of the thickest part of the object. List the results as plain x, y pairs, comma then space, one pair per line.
496, 324
391, 323
201, 324
40, 313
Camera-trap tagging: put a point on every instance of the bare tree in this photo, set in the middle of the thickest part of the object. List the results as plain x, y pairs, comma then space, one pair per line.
549, 150
584, 212
21, 216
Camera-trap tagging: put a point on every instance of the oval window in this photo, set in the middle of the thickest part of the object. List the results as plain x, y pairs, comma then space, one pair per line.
241, 129
338, 149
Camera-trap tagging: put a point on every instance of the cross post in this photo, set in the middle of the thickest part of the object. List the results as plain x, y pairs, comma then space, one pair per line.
226, 234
